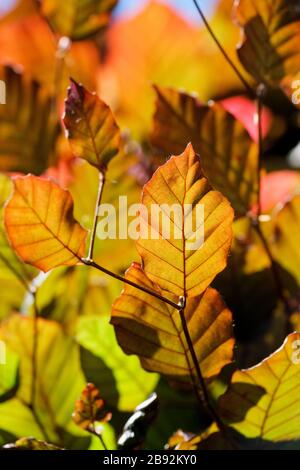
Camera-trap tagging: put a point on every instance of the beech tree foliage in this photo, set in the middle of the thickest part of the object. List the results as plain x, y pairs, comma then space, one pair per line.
199, 346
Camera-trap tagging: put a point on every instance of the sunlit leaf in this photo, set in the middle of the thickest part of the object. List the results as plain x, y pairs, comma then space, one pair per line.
176, 263
228, 155
270, 47
91, 128
121, 379
141, 320
58, 384
77, 19
264, 401
90, 409
28, 128
15, 277
40, 224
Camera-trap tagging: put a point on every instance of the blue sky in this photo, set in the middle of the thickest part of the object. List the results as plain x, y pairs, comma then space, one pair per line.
186, 7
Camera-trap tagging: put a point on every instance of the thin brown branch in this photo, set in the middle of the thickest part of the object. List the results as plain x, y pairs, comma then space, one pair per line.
92, 263
222, 50
98, 203
203, 392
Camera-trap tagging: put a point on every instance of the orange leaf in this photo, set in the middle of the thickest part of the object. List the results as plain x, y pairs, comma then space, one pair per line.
91, 128
228, 155
90, 409
151, 329
40, 225
270, 46
172, 262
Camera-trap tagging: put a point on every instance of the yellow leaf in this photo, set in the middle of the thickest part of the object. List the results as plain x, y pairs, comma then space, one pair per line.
40, 224
152, 330
264, 401
270, 46
172, 262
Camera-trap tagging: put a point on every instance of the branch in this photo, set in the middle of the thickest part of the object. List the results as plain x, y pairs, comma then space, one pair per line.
89, 262
98, 203
222, 50
202, 392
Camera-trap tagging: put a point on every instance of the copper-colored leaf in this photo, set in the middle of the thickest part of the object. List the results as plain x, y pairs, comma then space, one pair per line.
152, 330
173, 262
270, 47
77, 19
264, 401
40, 224
91, 128
90, 409
228, 155
28, 128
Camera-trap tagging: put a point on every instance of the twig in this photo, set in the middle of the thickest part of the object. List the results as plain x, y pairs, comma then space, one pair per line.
89, 262
222, 50
203, 392
98, 202
260, 155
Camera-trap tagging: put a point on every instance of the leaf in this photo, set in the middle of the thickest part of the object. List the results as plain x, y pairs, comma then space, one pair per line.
58, 384
90, 409
29, 130
271, 415
245, 111
14, 276
173, 262
152, 330
282, 233
277, 188
228, 155
40, 224
122, 381
269, 50
78, 19
30, 43
29, 443
91, 128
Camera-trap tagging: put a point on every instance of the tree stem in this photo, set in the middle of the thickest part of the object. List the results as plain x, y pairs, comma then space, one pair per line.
203, 392
89, 262
222, 50
98, 203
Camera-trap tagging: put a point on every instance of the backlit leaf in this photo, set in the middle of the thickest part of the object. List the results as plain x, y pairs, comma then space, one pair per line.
172, 262
140, 319
40, 224
91, 128
270, 47
264, 401
90, 409
228, 155
28, 128
121, 379
58, 383
77, 19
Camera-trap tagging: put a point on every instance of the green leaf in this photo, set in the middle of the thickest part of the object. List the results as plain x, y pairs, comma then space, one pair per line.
120, 378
